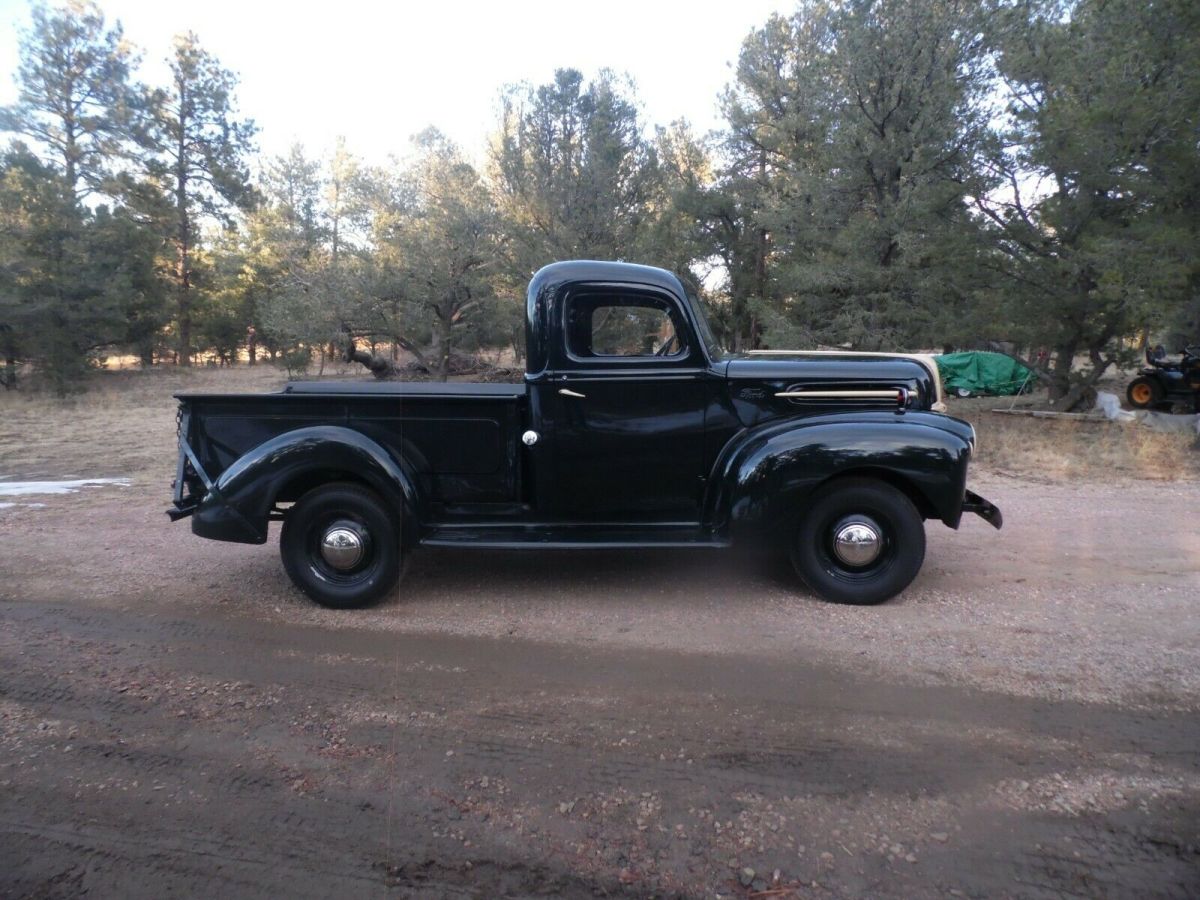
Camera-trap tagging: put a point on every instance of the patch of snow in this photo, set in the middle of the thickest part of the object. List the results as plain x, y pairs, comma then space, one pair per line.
25, 488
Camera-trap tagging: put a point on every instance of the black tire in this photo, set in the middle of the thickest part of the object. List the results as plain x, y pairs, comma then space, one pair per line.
886, 511
347, 507
1144, 393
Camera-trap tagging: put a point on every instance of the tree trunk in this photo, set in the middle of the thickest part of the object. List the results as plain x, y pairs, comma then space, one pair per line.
1073, 394
70, 154
183, 271
444, 326
754, 338
422, 361
379, 366
9, 376
1060, 371
1082, 395
185, 299
517, 341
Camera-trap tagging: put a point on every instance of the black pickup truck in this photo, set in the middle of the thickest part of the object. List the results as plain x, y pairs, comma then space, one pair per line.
633, 428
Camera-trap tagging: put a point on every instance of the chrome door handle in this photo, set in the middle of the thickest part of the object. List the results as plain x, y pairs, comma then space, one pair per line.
569, 393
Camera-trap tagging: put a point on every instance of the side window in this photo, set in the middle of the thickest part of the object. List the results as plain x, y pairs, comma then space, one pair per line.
622, 326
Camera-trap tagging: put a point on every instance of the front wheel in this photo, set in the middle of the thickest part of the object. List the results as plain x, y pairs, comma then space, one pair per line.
341, 545
861, 541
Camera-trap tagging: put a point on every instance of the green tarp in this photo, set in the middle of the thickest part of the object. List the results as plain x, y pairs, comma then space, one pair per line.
980, 372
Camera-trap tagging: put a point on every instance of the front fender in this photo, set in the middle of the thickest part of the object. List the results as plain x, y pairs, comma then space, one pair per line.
238, 506
764, 474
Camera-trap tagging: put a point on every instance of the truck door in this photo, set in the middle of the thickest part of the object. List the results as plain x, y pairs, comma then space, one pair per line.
622, 407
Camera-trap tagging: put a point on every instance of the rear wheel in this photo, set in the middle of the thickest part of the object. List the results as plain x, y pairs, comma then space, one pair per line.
1144, 393
861, 541
341, 545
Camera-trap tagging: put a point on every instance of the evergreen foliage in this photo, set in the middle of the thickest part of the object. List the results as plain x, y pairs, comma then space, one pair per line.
892, 174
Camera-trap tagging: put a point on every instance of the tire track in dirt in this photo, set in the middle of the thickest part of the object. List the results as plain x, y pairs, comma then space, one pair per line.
244, 756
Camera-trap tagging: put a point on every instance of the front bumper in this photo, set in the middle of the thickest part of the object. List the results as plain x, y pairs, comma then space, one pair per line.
986, 510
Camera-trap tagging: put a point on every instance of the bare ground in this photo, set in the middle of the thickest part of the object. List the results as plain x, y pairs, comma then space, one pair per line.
174, 719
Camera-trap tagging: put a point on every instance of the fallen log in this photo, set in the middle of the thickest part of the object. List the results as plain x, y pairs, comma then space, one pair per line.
379, 366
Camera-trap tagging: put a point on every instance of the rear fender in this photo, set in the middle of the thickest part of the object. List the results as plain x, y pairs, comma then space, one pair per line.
764, 474
238, 506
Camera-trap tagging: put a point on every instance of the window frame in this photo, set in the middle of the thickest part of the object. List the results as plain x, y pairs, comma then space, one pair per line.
650, 298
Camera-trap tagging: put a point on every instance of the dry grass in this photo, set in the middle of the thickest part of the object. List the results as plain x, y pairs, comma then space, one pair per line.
1073, 449
124, 424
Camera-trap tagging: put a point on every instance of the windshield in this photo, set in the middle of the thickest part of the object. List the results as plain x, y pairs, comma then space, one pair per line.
715, 350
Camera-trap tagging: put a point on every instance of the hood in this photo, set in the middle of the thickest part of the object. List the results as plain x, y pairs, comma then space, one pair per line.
832, 381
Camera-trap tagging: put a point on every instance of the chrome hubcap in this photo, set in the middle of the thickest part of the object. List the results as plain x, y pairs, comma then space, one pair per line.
342, 548
857, 544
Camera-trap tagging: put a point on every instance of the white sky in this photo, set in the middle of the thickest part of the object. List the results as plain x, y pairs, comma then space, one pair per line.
379, 72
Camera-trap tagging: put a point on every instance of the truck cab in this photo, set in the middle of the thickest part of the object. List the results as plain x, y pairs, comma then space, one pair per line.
621, 390
633, 428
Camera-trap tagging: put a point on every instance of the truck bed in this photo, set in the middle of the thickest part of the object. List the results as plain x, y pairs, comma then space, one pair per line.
461, 438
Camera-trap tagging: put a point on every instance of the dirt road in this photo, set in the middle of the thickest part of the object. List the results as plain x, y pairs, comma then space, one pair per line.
1022, 722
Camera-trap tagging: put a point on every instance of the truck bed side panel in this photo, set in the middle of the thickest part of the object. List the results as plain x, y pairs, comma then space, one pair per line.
464, 448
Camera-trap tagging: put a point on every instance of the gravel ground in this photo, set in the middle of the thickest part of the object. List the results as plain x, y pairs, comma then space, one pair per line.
1021, 722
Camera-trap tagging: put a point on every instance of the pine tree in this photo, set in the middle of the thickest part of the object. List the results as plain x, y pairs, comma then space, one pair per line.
63, 278
198, 148
1097, 176
573, 174
851, 135
74, 98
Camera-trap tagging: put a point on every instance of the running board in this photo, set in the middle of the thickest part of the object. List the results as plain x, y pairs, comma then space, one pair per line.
557, 537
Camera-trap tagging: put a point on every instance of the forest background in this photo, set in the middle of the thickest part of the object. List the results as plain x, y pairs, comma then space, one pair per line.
888, 175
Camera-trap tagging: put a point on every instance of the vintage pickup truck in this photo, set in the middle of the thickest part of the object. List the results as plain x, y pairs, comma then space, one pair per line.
633, 428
